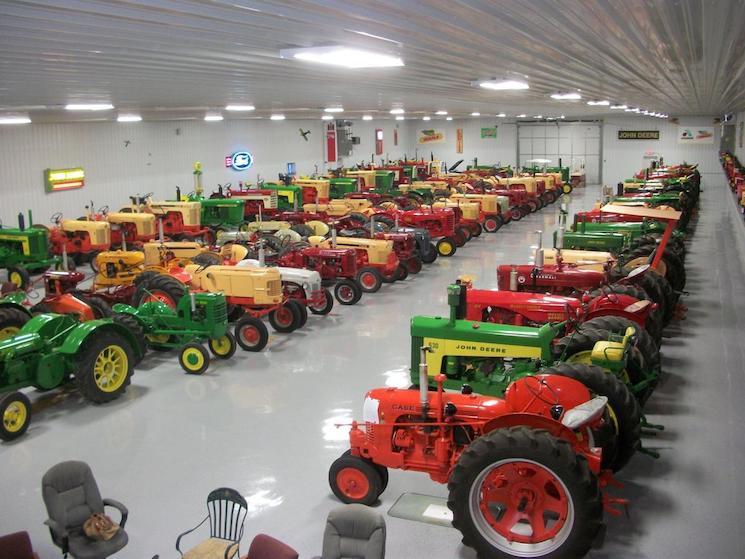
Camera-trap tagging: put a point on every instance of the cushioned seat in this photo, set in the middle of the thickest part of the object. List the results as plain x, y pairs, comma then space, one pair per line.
354, 532
212, 548
82, 547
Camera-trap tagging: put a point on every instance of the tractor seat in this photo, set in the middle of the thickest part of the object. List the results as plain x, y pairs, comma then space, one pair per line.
607, 351
233, 252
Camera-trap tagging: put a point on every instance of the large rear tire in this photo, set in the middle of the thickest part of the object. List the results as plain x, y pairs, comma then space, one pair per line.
105, 367
11, 321
161, 287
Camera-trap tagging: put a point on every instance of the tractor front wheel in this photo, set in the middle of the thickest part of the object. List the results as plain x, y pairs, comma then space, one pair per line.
105, 367
369, 279
15, 415
324, 307
19, 277
475, 229
224, 347
347, 292
431, 256
194, 359
446, 246
301, 310
355, 480
285, 319
462, 236
492, 224
251, 334
402, 272
515, 213
413, 265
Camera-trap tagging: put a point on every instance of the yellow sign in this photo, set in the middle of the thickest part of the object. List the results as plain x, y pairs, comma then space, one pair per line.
444, 348
64, 179
431, 137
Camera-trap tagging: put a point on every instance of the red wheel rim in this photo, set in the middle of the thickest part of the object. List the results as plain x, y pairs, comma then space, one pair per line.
353, 483
368, 279
490, 224
524, 502
250, 334
283, 316
160, 297
345, 293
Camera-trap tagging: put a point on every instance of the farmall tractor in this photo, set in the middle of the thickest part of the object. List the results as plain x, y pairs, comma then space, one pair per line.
523, 476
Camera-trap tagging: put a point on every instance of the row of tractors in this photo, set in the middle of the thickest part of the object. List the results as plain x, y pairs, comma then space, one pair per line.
735, 176
184, 275
527, 399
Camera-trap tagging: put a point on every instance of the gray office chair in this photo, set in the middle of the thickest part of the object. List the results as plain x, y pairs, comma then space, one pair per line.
354, 531
71, 496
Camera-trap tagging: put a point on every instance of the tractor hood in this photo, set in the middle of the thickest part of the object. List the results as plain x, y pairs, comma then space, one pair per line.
308, 279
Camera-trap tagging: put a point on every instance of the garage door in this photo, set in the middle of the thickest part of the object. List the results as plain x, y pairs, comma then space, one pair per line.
577, 144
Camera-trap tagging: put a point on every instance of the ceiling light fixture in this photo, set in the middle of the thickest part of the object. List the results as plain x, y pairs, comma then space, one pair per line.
501, 115
441, 113
327, 117
345, 57
397, 111
538, 116
475, 113
618, 107
15, 120
449, 118
502, 85
213, 117
333, 110
562, 117
239, 108
426, 118
603, 103
569, 96
636, 110
89, 107
277, 117
399, 118
367, 117
128, 118
521, 116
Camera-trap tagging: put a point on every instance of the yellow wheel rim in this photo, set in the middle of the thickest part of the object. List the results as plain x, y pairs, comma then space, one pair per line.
566, 189
661, 269
15, 416
584, 357
158, 338
16, 279
446, 248
192, 359
110, 369
8, 332
221, 346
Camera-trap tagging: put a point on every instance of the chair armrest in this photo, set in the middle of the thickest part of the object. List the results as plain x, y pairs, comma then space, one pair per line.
58, 531
178, 540
235, 545
120, 507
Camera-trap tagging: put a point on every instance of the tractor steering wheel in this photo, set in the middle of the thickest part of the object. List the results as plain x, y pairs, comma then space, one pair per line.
56, 218
103, 210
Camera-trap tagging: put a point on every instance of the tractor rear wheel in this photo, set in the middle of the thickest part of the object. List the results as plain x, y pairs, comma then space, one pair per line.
369, 279
355, 480
15, 415
161, 287
251, 334
402, 272
285, 319
413, 265
520, 492
674, 269
324, 307
224, 347
431, 256
145, 277
99, 306
19, 277
133, 325
194, 359
492, 224
515, 213
475, 229
653, 324
105, 367
619, 436
657, 286
11, 321
447, 246
347, 292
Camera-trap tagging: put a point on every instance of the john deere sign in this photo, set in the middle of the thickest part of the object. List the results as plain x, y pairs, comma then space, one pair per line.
638, 134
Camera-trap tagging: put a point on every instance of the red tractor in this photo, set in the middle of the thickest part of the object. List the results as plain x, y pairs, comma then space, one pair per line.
441, 225
524, 477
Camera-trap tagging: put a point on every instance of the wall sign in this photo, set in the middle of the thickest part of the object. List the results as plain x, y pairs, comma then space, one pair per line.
378, 141
638, 134
431, 137
489, 132
239, 161
695, 135
459, 140
63, 179
330, 141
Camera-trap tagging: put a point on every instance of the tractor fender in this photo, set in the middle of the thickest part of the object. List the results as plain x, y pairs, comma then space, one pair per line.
532, 420
609, 311
80, 334
125, 309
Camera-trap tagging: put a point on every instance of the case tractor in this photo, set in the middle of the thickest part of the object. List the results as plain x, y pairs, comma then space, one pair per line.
179, 219
80, 239
25, 251
524, 477
50, 349
490, 214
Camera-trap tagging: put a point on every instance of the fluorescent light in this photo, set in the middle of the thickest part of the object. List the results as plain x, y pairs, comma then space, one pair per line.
475, 114
501, 115
213, 117
441, 113
570, 96
636, 110
562, 117
646, 113
426, 118
538, 116
503, 85
333, 110
399, 118
128, 118
603, 103
277, 117
327, 117
89, 107
343, 56
367, 117
618, 107
522, 116
239, 108
15, 120
397, 111
449, 118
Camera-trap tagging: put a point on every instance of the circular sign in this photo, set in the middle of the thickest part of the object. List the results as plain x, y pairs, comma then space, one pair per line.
241, 160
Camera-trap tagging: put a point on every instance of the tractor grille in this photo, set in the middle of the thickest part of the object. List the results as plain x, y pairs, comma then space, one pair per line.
194, 216
370, 433
221, 310
274, 288
100, 237
148, 227
450, 222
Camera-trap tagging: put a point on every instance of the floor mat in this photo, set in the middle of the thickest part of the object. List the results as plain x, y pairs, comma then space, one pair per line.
422, 508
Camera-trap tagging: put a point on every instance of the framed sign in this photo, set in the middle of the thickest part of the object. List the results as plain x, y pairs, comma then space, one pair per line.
239, 161
638, 134
695, 135
378, 141
459, 140
56, 180
489, 133
431, 137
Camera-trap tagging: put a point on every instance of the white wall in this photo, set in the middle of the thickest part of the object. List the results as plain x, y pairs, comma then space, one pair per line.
621, 158
740, 148
365, 130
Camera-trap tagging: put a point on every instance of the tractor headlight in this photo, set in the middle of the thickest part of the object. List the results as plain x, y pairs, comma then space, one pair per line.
370, 410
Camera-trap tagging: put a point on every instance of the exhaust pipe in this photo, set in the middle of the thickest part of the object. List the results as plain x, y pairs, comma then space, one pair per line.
538, 257
160, 229
372, 227
333, 236
21, 222
262, 254
513, 279
424, 380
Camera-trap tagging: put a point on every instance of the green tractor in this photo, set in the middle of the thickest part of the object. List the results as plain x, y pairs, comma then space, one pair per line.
485, 358
24, 251
218, 212
341, 186
195, 318
289, 196
49, 349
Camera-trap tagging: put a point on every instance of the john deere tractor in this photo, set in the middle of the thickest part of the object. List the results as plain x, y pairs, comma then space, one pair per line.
24, 251
49, 349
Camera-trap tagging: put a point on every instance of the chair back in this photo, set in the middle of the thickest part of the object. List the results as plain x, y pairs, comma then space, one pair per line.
71, 494
227, 510
354, 531
267, 547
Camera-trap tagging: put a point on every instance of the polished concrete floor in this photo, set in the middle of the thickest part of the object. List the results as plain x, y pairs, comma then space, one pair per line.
265, 423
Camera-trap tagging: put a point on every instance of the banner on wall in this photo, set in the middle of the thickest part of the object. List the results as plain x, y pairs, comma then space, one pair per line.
638, 134
459, 140
56, 180
431, 137
331, 141
490, 133
695, 134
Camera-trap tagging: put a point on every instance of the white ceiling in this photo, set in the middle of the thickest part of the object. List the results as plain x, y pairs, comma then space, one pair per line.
179, 58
